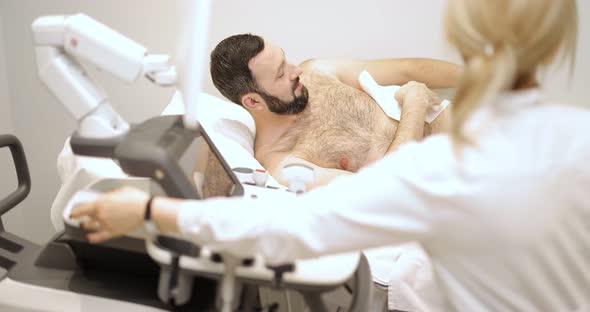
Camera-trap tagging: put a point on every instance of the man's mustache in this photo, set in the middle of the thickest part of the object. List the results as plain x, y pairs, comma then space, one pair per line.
295, 84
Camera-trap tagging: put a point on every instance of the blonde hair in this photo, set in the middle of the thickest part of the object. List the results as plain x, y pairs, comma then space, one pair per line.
504, 42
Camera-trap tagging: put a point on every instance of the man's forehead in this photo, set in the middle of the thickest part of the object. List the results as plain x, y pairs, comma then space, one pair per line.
268, 58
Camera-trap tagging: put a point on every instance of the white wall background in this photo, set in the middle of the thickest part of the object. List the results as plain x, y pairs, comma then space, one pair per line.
5, 114
305, 29
8, 180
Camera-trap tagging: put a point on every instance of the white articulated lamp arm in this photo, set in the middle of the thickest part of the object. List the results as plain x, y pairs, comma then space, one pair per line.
62, 40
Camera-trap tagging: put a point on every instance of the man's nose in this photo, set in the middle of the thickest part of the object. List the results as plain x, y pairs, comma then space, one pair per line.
297, 71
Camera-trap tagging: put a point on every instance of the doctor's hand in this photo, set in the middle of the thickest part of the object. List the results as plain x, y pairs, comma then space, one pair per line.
416, 96
113, 214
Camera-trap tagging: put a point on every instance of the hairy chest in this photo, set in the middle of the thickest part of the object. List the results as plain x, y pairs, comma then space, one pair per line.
341, 128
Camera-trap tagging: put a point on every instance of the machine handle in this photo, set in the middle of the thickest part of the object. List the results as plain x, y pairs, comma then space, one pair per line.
93, 147
22, 173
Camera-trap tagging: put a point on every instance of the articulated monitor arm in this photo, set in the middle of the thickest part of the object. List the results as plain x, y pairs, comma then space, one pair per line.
62, 40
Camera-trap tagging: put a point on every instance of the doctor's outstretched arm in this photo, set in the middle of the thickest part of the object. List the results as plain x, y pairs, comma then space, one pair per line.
389, 202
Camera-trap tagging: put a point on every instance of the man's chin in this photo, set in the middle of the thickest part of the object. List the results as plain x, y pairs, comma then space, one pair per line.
295, 107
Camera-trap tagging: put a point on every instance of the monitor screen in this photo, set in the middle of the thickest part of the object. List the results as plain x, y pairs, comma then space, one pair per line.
203, 167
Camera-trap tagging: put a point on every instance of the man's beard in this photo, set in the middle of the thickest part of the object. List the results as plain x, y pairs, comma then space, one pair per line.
280, 107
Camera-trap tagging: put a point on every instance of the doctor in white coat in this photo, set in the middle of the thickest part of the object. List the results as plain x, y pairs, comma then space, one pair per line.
501, 203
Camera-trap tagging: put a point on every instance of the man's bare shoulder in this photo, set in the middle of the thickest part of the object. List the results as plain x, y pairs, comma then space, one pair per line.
318, 67
311, 64
316, 75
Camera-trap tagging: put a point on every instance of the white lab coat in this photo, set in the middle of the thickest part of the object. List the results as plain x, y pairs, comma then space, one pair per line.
506, 222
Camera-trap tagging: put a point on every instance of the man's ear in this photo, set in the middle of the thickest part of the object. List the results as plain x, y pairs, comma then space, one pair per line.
252, 101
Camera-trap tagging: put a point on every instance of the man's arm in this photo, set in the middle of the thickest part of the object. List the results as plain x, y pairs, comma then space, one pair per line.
434, 73
415, 99
410, 128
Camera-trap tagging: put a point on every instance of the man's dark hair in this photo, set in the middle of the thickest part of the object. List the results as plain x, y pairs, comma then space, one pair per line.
229, 65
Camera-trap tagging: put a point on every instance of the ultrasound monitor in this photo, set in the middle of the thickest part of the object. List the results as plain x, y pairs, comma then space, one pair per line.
184, 162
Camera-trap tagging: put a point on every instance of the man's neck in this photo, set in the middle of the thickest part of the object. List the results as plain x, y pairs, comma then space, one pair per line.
270, 127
